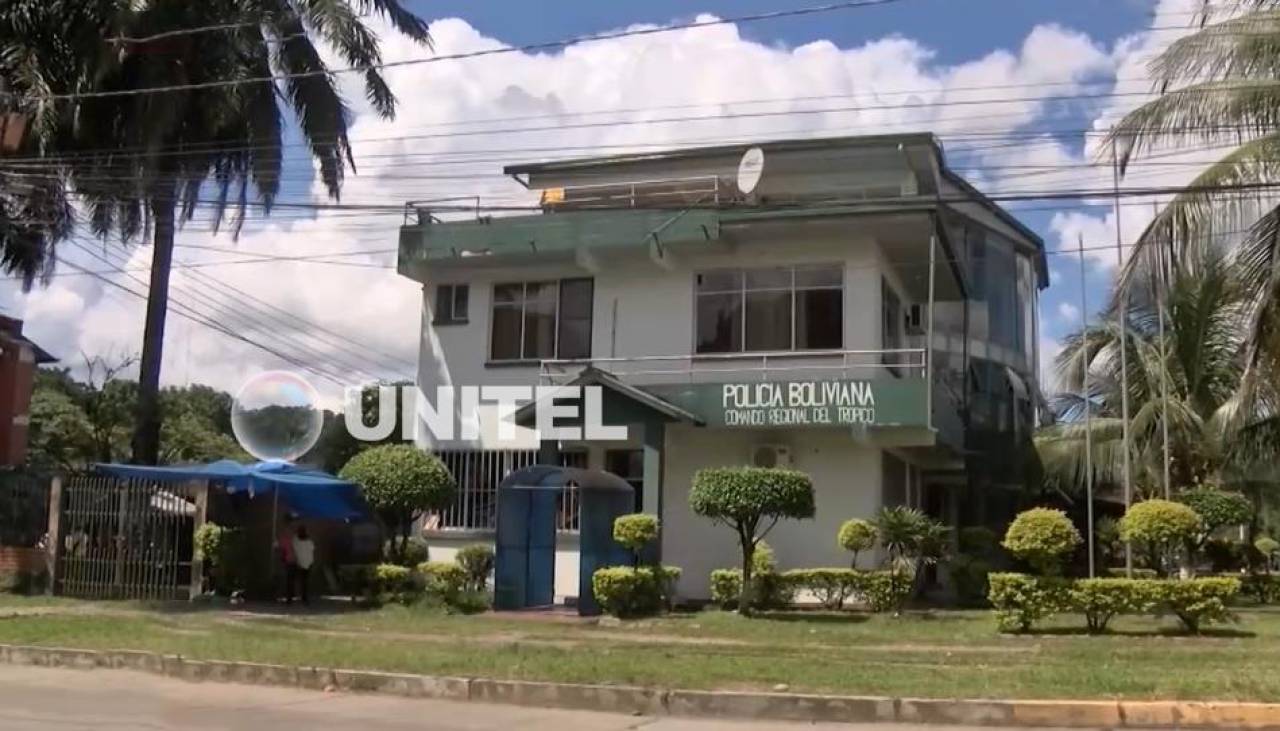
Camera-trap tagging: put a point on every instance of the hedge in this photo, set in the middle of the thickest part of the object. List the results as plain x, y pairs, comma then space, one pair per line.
1021, 600
832, 587
627, 591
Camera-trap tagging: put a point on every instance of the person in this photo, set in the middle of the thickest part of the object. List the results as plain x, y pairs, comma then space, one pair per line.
284, 545
304, 555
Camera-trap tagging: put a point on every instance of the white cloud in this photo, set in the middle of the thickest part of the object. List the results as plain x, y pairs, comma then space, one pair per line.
434, 149
1068, 313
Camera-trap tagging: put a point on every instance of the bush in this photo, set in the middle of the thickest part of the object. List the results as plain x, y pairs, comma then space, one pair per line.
630, 591
398, 584
409, 553
635, 531
726, 587
1267, 546
443, 579
1119, 572
400, 482
885, 591
1162, 526
977, 540
856, 536
1043, 538
1200, 601
477, 562
1101, 599
831, 587
1217, 508
1021, 600
225, 551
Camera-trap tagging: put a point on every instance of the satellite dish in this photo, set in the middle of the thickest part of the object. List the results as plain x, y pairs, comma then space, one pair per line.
750, 168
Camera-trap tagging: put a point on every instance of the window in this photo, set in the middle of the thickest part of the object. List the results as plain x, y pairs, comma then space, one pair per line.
451, 304
540, 320
779, 308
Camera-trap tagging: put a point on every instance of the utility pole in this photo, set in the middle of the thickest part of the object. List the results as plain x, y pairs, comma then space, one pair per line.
1123, 292
1088, 414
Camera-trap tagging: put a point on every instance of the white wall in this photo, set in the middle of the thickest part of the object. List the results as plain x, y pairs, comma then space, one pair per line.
846, 478
443, 546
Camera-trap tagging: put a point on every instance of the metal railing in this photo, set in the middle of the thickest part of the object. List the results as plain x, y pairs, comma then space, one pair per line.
763, 366
699, 190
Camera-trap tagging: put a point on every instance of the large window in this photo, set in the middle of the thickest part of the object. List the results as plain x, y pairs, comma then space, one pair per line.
539, 320
780, 308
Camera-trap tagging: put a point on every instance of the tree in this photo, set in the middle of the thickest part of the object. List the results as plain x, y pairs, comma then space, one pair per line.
401, 482
856, 536
1217, 90
911, 540
750, 501
1217, 417
1043, 538
170, 109
1216, 509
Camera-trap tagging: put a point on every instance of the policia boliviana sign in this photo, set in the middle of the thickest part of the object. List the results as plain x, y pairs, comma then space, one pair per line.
813, 403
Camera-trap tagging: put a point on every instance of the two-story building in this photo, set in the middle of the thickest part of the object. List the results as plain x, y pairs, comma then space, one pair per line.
849, 307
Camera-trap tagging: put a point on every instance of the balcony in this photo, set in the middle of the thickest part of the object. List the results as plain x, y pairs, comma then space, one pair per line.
788, 365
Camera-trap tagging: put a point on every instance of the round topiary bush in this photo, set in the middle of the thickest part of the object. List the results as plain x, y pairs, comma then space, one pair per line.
1217, 508
400, 482
1161, 526
1043, 538
635, 531
856, 535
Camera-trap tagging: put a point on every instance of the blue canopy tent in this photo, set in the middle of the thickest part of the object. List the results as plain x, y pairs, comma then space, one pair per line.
308, 493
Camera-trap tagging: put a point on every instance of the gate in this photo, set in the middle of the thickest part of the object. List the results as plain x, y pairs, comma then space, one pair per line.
127, 539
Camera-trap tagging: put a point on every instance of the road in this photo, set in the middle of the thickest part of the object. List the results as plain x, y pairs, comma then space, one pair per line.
43, 699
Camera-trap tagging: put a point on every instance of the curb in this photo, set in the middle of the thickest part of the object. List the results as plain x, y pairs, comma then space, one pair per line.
685, 703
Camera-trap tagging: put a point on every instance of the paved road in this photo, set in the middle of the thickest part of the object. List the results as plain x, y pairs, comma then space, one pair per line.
41, 699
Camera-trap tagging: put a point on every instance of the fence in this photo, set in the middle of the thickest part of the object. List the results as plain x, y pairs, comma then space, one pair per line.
477, 475
127, 539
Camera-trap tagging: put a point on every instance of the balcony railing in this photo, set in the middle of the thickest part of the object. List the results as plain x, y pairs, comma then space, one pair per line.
760, 366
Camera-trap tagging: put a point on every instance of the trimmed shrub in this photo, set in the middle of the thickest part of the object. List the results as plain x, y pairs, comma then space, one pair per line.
225, 550
630, 591
410, 553
444, 579
856, 536
1119, 572
400, 482
885, 591
1043, 538
749, 499
1200, 601
1267, 546
635, 531
1021, 600
394, 583
726, 587
1101, 599
831, 587
477, 562
1217, 508
1160, 525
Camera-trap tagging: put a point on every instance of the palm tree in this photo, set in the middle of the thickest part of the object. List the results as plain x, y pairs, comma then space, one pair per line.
140, 159
1220, 408
1218, 89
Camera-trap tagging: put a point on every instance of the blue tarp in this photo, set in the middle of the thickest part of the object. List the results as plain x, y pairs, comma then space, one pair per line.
308, 493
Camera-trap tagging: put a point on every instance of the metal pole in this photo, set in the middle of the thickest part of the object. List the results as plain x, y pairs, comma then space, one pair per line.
1088, 416
928, 391
1124, 355
1161, 283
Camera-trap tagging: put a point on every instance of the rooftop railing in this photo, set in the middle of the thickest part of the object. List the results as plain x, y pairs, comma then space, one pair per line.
757, 366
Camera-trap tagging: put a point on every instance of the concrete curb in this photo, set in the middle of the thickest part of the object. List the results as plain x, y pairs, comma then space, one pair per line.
685, 703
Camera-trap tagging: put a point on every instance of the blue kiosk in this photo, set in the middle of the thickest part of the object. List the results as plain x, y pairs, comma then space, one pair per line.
525, 562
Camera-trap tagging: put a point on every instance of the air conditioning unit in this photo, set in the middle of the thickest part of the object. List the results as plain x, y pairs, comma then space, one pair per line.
915, 319
771, 455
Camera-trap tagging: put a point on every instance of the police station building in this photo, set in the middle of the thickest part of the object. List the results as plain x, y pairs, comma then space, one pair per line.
848, 307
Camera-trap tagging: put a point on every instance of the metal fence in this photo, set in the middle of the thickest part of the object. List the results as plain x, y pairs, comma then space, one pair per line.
24, 509
126, 539
477, 475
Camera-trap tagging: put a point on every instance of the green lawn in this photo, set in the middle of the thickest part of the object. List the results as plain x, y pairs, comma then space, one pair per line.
940, 654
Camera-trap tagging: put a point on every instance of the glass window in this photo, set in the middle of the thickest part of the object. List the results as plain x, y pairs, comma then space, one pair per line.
540, 320
451, 304
770, 309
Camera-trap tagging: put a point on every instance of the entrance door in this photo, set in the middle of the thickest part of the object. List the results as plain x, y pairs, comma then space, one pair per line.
525, 567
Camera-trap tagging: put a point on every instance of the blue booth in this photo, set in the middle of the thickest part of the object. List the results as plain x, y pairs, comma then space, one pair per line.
528, 505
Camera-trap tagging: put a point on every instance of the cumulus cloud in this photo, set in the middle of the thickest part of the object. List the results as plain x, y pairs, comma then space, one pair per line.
1068, 313
459, 121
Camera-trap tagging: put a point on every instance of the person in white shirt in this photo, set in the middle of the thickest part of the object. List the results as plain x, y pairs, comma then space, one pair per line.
304, 555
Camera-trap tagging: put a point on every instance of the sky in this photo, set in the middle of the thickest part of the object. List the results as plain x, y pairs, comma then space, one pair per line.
1017, 91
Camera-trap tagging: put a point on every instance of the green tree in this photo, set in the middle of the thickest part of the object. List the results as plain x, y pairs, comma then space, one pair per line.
750, 501
911, 540
170, 109
1217, 509
634, 532
401, 482
856, 536
1216, 415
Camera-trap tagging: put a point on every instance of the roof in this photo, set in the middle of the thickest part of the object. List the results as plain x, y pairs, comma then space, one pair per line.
592, 376
541, 476
11, 330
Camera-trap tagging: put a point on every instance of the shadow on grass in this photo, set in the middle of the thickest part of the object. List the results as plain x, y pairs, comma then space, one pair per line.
1175, 632
320, 607
813, 616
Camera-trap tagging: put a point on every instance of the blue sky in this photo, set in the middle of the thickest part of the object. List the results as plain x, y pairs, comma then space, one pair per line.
924, 53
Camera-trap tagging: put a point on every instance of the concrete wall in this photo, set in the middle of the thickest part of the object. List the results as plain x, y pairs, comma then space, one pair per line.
847, 484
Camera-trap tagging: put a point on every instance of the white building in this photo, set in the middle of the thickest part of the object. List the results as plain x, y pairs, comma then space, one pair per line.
789, 324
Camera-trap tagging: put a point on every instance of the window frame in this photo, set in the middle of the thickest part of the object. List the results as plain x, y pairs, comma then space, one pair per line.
451, 318
743, 290
523, 358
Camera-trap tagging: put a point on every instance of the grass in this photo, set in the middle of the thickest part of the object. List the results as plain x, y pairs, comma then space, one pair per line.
937, 653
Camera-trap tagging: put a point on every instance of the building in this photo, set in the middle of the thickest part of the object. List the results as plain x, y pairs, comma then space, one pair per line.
18, 360
860, 313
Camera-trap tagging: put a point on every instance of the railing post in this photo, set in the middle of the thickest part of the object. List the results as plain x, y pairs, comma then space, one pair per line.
928, 352
53, 536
